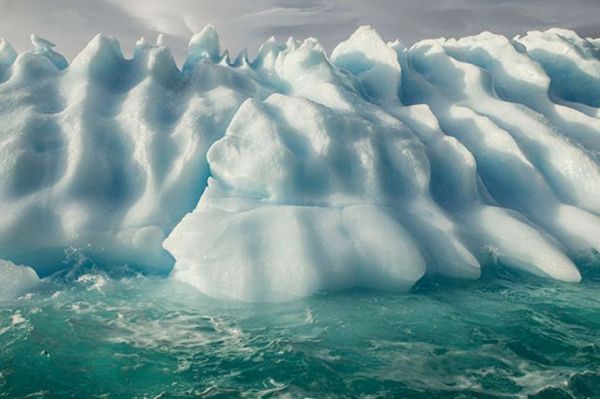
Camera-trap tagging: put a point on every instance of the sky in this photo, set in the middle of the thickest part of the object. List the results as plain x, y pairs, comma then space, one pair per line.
246, 24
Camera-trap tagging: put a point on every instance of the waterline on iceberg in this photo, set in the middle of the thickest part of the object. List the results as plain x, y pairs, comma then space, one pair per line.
300, 172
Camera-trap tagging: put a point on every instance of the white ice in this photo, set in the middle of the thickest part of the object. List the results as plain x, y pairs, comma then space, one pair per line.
297, 172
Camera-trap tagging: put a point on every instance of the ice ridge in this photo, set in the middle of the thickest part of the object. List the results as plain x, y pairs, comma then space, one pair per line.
297, 172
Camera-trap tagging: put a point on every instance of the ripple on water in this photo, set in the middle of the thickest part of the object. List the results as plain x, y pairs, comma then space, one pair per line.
93, 335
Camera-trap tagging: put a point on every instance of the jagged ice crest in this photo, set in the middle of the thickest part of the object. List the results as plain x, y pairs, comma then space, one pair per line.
294, 172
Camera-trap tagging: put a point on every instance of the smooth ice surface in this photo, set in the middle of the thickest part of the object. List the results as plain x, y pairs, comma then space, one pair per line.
298, 172
15, 280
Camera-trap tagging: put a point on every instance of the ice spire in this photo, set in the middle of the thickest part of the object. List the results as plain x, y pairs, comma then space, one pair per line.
372, 61
41, 44
204, 46
225, 58
141, 43
7, 53
242, 59
44, 46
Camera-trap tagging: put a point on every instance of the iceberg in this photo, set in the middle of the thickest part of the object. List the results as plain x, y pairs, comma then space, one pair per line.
298, 171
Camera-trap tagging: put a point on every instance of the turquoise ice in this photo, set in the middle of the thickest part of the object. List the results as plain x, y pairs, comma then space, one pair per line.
298, 171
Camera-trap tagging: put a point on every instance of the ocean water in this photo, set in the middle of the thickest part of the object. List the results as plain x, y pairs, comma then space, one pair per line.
118, 334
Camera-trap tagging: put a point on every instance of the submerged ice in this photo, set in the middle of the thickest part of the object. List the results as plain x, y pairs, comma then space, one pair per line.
296, 172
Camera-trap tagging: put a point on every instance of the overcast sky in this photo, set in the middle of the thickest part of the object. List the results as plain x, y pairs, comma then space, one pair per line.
246, 24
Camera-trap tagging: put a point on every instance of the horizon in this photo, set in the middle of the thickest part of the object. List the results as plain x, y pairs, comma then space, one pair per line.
71, 24
127, 49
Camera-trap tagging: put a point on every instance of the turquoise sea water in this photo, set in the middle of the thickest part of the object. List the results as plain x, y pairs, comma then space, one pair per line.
117, 334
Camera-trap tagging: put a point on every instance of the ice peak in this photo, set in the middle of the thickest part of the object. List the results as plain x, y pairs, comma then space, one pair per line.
141, 42
291, 43
364, 45
269, 46
7, 53
483, 39
99, 47
157, 57
44, 47
40, 43
242, 59
364, 36
102, 56
141, 45
225, 58
365, 30
204, 45
367, 56
268, 51
551, 35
